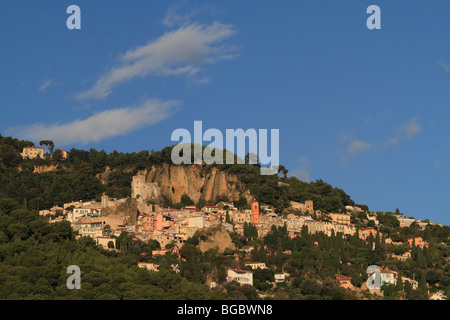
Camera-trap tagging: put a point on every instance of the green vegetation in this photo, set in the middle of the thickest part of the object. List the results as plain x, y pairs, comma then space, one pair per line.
69, 180
77, 178
34, 256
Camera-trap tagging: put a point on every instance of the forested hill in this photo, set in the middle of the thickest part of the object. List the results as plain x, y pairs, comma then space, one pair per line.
35, 254
42, 183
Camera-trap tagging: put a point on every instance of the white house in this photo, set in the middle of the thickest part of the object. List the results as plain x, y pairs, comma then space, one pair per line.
281, 277
438, 296
148, 266
388, 277
241, 276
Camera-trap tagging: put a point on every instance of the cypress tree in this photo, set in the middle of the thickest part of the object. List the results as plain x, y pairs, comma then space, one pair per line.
399, 283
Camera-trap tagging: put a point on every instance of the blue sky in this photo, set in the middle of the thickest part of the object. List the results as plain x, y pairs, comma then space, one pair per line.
365, 110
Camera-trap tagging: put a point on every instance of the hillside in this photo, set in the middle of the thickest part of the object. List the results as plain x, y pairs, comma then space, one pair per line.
85, 175
314, 263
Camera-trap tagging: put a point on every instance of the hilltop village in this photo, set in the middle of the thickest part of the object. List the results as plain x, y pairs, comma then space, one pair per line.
140, 227
212, 226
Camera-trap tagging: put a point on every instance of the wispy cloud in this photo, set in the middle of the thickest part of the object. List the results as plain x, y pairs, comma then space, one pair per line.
444, 65
381, 117
100, 126
404, 132
302, 171
45, 85
437, 165
174, 17
412, 128
357, 146
180, 52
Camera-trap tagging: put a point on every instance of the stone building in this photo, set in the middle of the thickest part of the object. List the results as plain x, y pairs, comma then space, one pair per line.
307, 207
143, 191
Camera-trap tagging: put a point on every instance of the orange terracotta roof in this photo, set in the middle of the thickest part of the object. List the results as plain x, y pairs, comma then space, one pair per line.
342, 277
241, 271
387, 271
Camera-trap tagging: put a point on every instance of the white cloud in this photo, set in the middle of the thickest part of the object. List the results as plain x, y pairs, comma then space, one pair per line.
179, 52
357, 146
45, 85
103, 125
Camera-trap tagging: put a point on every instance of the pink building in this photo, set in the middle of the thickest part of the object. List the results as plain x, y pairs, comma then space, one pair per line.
147, 222
161, 222
366, 232
344, 281
418, 241
64, 154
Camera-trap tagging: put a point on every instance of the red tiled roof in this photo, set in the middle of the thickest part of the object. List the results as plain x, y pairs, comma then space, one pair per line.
241, 271
342, 277
387, 271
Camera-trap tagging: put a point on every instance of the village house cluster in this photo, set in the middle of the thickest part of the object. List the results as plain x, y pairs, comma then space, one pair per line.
104, 221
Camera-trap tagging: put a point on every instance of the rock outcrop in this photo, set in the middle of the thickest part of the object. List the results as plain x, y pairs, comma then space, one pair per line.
128, 208
43, 169
214, 237
172, 181
103, 177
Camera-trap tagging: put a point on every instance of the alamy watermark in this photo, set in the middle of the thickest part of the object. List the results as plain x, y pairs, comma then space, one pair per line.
74, 281
374, 280
188, 151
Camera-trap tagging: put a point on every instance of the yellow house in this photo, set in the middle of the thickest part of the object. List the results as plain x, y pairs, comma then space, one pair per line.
32, 152
340, 218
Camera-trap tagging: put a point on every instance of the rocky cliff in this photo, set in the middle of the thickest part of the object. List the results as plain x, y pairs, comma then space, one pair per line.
196, 181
